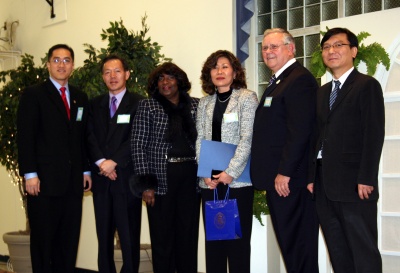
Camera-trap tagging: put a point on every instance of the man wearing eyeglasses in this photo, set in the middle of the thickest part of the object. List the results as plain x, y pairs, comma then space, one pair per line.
279, 156
51, 124
345, 157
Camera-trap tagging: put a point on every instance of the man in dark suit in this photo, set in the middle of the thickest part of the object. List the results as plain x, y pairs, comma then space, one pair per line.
280, 148
51, 124
110, 123
345, 157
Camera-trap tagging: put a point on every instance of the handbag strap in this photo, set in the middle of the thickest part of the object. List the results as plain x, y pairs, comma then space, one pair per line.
216, 195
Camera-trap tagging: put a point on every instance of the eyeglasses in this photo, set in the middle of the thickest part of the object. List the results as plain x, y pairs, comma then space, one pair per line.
59, 60
272, 47
334, 46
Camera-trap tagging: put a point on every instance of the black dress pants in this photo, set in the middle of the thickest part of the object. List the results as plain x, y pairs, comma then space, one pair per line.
235, 253
174, 221
350, 231
295, 223
55, 223
121, 211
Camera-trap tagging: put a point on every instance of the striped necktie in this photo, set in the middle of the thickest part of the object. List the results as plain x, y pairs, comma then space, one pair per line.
334, 93
272, 80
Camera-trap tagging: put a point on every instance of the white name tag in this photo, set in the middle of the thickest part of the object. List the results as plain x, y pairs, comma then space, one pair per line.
79, 114
124, 118
231, 117
268, 101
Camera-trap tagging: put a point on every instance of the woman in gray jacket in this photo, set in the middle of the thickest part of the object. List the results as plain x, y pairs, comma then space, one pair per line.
227, 115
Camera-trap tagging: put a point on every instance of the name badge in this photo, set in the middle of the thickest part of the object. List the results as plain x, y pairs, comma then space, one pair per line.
268, 101
231, 117
79, 114
124, 118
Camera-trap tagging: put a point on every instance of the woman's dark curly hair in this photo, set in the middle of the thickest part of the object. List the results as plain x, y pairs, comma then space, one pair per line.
238, 82
168, 69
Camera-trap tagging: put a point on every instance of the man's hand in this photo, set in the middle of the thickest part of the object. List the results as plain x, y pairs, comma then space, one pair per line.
364, 191
112, 175
310, 187
148, 197
87, 182
107, 167
211, 183
282, 185
32, 186
223, 177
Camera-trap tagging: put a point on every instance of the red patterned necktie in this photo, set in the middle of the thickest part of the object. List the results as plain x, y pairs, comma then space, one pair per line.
64, 98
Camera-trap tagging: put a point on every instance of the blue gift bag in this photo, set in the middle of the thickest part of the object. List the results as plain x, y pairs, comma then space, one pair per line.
222, 219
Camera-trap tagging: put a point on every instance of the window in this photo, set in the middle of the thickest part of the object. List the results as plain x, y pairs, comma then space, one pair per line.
302, 18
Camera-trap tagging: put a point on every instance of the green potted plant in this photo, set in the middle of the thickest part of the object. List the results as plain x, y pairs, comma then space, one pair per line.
136, 48
260, 206
372, 55
14, 81
141, 54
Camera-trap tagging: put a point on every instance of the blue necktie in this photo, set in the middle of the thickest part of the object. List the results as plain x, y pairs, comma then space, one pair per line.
334, 93
272, 80
113, 106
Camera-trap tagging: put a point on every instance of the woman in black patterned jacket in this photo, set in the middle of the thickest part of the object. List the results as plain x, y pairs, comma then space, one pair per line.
164, 158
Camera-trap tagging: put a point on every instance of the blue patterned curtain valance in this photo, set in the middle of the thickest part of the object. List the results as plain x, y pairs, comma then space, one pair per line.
244, 12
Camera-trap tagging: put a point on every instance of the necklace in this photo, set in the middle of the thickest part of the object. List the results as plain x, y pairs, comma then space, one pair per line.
222, 101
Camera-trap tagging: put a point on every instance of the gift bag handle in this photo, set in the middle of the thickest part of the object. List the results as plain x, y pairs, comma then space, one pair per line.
216, 195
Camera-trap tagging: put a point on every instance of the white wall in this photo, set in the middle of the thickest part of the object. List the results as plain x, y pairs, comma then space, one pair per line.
188, 30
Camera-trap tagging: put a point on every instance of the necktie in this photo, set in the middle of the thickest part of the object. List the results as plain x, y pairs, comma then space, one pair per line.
113, 106
64, 98
334, 92
272, 80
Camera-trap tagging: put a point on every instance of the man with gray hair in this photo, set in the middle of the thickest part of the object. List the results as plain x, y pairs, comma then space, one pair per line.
279, 157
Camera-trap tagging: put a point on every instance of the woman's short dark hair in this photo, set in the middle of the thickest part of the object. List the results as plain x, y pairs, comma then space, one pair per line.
338, 30
238, 82
171, 69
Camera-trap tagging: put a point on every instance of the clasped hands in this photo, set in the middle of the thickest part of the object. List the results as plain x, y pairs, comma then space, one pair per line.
222, 177
107, 168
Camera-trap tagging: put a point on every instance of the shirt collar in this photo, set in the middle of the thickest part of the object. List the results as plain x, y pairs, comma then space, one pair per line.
118, 96
343, 78
58, 86
287, 64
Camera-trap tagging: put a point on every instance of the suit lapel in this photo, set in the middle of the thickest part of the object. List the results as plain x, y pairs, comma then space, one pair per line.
324, 101
233, 101
104, 113
270, 89
73, 104
346, 88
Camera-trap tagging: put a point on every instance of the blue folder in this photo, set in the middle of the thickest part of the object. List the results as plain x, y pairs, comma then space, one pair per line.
216, 155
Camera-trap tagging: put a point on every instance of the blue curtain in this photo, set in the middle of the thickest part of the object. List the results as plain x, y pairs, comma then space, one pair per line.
244, 12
